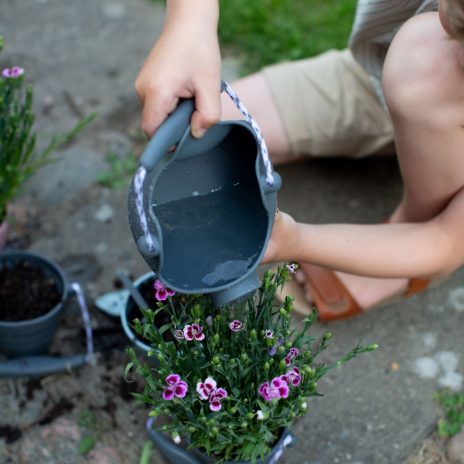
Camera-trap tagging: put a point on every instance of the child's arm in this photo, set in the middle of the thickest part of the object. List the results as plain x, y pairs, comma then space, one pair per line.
184, 62
429, 249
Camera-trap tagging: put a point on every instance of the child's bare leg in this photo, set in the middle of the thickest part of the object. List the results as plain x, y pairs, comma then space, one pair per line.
428, 120
254, 91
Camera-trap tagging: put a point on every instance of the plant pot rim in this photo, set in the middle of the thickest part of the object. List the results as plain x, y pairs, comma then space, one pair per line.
166, 445
124, 316
27, 255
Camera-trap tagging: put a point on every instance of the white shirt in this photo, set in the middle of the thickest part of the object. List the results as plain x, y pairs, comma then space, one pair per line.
376, 23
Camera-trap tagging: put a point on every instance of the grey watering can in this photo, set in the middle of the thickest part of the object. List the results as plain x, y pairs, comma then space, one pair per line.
202, 213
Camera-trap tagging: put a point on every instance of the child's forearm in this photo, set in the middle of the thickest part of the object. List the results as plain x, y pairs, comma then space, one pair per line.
385, 250
193, 13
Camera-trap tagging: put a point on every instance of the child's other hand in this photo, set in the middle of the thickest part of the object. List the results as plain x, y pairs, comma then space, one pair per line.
185, 62
283, 242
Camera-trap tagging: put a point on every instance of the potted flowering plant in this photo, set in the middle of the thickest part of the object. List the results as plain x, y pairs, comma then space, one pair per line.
19, 159
233, 379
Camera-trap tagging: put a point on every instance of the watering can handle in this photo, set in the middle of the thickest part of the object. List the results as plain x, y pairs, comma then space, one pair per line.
168, 134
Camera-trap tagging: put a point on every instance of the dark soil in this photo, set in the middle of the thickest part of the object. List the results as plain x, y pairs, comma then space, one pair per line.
162, 318
26, 292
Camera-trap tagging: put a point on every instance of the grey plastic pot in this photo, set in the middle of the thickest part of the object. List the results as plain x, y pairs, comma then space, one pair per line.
208, 206
126, 319
175, 454
26, 342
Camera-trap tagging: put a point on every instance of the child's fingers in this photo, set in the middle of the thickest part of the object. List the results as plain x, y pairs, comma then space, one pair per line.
156, 109
208, 110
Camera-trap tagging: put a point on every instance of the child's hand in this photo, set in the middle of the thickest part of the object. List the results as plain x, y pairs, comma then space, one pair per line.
185, 62
283, 242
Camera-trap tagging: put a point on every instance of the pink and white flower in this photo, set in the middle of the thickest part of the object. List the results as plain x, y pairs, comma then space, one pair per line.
236, 325
293, 353
279, 388
13, 73
292, 268
161, 291
206, 388
179, 334
268, 333
276, 389
193, 332
215, 399
265, 391
207, 391
176, 387
293, 377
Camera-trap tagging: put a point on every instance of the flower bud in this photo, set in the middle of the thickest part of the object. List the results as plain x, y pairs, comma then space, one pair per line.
253, 334
216, 360
154, 413
308, 370
160, 356
327, 336
166, 411
244, 425
216, 338
282, 365
288, 345
244, 357
250, 415
281, 349
266, 366
192, 429
313, 386
283, 312
215, 431
233, 410
372, 347
271, 361
175, 437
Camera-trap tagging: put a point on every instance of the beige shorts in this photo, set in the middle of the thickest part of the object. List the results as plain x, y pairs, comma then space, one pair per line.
329, 107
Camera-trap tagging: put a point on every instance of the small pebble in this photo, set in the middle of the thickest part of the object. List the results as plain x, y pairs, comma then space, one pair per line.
455, 449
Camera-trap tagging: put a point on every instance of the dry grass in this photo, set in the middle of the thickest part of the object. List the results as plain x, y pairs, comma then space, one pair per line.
432, 451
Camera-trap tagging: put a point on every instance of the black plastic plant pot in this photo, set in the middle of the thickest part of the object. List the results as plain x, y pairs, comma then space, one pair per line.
175, 454
32, 336
26, 342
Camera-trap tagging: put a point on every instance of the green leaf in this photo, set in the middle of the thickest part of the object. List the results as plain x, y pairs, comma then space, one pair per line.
86, 444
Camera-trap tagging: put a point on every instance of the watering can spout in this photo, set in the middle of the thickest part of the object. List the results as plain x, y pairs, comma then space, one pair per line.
239, 291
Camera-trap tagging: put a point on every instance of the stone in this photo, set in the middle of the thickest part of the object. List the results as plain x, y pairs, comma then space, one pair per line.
55, 443
104, 213
455, 449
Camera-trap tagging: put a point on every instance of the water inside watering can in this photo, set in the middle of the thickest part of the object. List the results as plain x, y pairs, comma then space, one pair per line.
211, 239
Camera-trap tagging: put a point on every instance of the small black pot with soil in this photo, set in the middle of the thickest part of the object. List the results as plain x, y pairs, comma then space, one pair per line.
32, 292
